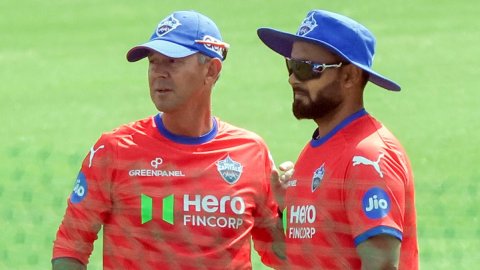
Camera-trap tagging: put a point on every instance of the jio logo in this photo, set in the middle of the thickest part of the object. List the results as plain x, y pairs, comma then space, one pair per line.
80, 189
376, 203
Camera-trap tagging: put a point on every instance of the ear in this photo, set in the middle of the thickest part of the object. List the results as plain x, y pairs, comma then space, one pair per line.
352, 76
213, 71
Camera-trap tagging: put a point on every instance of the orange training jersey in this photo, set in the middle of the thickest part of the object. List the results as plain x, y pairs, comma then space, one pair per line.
352, 184
171, 202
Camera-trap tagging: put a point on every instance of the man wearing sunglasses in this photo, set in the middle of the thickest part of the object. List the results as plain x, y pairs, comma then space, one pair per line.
180, 189
350, 201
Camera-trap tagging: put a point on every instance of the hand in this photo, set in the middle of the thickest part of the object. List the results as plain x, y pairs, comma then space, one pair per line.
279, 180
66, 263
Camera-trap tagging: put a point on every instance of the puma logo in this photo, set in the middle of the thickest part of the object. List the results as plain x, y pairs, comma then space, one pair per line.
357, 160
92, 153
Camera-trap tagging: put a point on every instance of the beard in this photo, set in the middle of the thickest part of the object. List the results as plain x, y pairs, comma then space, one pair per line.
326, 101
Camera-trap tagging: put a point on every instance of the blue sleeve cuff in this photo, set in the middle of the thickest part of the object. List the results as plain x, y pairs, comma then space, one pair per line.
376, 231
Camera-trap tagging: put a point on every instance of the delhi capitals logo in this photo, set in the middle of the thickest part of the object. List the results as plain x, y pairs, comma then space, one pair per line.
307, 25
167, 25
318, 177
229, 169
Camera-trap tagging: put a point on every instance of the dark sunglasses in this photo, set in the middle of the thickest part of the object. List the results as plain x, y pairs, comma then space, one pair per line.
307, 70
217, 46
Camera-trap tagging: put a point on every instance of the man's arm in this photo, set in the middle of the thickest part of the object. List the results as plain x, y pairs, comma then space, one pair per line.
278, 245
379, 252
87, 207
67, 264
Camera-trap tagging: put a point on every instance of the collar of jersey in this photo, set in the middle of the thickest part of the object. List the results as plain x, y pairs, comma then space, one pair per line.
185, 139
317, 142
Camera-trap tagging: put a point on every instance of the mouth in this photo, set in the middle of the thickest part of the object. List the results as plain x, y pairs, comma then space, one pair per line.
163, 90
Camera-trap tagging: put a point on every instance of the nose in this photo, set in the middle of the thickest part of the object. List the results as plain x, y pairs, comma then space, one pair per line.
292, 80
158, 70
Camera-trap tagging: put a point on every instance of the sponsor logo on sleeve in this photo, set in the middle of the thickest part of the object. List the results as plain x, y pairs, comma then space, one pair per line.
80, 189
376, 203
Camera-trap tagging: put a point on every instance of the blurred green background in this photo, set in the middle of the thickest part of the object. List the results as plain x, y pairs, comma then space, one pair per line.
64, 80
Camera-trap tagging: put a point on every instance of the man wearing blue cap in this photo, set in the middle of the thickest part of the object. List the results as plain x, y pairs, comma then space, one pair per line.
181, 189
350, 201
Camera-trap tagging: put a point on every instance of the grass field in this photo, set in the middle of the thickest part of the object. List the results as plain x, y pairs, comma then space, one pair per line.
64, 80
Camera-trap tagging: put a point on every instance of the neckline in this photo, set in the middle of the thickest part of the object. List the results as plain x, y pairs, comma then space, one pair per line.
185, 139
315, 142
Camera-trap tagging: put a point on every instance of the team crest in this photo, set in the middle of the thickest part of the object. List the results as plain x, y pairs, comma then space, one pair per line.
318, 177
167, 25
307, 25
229, 169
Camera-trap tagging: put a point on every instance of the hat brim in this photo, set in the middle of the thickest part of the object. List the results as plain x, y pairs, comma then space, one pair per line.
164, 47
282, 43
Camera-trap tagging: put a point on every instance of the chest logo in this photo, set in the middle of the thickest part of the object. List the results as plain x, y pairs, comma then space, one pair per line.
230, 170
156, 162
359, 160
318, 177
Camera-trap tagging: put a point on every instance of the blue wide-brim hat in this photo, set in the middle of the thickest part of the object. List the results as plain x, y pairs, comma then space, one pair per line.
337, 33
181, 34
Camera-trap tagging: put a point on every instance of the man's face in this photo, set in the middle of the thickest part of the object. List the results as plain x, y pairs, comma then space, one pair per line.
175, 83
318, 97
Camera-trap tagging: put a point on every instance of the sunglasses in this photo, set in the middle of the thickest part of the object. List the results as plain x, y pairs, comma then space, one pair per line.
307, 70
217, 46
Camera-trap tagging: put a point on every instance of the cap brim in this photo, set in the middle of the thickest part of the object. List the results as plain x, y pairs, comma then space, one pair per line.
164, 47
282, 43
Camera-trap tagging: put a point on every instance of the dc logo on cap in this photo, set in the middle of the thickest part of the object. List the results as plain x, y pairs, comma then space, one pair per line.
307, 25
167, 25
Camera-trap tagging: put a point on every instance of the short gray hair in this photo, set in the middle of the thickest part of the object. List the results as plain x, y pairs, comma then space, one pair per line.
203, 59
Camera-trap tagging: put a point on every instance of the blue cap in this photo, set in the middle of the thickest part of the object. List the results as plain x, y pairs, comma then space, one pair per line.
339, 34
181, 34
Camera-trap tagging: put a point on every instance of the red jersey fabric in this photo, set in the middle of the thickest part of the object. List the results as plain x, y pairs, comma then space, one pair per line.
172, 202
352, 184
